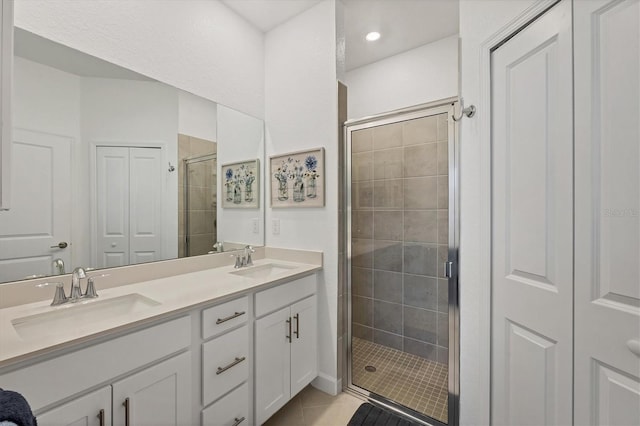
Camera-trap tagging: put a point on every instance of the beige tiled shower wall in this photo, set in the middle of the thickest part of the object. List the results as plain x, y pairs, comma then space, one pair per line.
399, 236
202, 196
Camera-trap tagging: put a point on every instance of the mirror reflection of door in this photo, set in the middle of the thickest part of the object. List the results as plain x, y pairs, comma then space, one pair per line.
31, 232
129, 214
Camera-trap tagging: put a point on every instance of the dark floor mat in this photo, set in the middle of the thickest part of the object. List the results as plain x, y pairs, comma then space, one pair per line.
369, 415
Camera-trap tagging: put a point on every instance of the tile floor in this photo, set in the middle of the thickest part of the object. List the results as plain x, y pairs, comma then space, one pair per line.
314, 408
409, 380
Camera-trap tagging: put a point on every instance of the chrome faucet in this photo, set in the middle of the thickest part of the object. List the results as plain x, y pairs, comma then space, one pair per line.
76, 291
58, 267
244, 259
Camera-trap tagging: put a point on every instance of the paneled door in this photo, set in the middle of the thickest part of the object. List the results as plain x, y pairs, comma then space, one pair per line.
129, 205
532, 223
37, 229
607, 212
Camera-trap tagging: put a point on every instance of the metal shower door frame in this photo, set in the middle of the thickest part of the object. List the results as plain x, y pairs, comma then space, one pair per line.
451, 107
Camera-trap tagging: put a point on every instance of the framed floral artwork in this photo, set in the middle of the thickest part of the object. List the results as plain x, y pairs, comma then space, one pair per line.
240, 185
297, 179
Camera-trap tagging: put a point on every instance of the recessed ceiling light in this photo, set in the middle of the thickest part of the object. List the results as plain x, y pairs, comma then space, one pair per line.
373, 36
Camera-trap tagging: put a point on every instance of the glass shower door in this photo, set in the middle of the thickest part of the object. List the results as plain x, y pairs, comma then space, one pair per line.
399, 219
200, 205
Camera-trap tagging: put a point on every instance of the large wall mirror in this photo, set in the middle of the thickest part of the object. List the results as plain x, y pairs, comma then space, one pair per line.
112, 168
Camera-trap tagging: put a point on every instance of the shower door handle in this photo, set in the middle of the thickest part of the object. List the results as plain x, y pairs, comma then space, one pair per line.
448, 269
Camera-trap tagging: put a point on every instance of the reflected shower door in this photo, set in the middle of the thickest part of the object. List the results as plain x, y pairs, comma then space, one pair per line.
400, 214
200, 205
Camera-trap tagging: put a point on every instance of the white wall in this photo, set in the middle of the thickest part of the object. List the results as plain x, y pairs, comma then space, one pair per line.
479, 20
240, 138
301, 112
424, 74
200, 46
133, 113
197, 116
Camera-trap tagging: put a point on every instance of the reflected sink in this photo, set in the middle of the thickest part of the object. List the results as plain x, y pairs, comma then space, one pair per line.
262, 272
83, 315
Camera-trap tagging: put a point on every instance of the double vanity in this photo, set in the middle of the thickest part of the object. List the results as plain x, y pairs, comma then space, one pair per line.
218, 346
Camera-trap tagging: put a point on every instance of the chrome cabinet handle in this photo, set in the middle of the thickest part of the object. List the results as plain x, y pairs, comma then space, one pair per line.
61, 245
634, 347
101, 417
235, 362
230, 317
289, 335
297, 332
127, 407
238, 421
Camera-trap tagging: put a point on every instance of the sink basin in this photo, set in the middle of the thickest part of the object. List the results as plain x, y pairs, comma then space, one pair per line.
83, 315
260, 272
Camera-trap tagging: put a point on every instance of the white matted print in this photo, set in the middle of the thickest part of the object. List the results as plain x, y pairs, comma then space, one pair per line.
297, 179
241, 185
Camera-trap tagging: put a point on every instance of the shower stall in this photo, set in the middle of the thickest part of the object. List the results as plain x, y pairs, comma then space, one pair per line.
401, 258
200, 191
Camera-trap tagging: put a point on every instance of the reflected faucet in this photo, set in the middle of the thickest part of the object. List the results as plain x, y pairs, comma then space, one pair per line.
58, 267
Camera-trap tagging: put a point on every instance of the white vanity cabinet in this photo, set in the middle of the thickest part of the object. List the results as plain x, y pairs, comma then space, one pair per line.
6, 69
158, 395
93, 409
285, 344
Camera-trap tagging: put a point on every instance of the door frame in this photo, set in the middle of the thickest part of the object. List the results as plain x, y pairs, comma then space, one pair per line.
483, 246
93, 152
451, 106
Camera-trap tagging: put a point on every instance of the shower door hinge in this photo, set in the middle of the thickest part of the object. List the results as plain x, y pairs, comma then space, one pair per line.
448, 269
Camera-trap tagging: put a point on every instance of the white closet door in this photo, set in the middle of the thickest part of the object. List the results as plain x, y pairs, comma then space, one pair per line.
112, 179
145, 219
532, 284
607, 212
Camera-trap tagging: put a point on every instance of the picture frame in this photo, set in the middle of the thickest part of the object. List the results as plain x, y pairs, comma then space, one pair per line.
297, 179
240, 184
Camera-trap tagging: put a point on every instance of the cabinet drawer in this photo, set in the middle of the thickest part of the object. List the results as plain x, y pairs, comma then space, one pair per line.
284, 294
221, 318
225, 364
231, 410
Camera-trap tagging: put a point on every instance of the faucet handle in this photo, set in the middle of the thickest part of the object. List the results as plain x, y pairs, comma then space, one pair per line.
248, 250
238, 260
91, 288
60, 297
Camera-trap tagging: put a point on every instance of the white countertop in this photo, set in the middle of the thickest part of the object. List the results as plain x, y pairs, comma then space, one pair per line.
175, 294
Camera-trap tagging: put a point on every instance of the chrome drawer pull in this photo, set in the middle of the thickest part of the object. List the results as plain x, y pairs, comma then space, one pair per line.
236, 315
101, 417
238, 421
236, 362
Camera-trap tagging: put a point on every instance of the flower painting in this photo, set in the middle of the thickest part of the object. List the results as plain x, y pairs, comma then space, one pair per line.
241, 184
297, 179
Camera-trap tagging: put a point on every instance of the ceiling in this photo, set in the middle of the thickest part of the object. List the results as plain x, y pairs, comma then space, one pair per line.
404, 24
46, 52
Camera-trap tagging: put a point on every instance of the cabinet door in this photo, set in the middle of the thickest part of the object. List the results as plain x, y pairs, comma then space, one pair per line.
159, 395
304, 352
273, 359
93, 409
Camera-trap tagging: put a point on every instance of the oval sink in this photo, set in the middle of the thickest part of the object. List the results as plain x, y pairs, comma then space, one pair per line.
83, 315
265, 271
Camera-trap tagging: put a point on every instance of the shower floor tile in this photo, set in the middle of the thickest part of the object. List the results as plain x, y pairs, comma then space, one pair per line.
409, 380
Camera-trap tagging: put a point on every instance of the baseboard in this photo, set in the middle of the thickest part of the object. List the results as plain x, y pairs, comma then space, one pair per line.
327, 384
